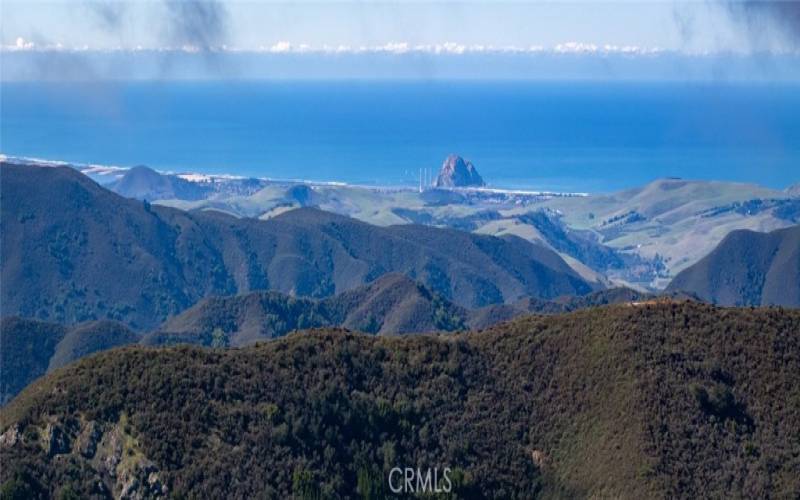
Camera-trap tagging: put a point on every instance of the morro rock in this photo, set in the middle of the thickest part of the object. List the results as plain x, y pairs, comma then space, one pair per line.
456, 172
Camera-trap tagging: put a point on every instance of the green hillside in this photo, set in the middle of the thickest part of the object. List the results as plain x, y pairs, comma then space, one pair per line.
26, 347
30, 348
642, 236
74, 251
662, 399
748, 269
391, 305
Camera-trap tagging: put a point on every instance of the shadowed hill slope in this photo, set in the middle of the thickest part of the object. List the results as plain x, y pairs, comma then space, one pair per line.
89, 338
74, 251
30, 348
239, 320
26, 347
144, 183
748, 268
393, 304
485, 317
658, 400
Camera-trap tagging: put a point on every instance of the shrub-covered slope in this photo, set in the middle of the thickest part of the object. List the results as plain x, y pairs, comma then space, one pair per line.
748, 268
89, 338
485, 317
661, 399
26, 347
391, 305
30, 348
74, 251
394, 304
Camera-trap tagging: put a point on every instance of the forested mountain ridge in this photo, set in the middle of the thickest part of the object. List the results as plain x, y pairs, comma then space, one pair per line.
74, 251
748, 269
30, 348
391, 305
660, 399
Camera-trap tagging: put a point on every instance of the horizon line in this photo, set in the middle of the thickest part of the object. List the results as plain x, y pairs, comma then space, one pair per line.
22, 46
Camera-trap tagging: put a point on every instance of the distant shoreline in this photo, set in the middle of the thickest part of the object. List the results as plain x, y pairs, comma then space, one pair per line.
104, 174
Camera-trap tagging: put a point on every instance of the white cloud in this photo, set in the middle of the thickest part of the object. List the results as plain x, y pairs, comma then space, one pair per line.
280, 47
20, 44
453, 48
575, 48
394, 47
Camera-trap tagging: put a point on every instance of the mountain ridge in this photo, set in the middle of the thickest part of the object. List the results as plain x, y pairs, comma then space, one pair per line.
126, 260
748, 268
30, 348
522, 410
144, 183
391, 305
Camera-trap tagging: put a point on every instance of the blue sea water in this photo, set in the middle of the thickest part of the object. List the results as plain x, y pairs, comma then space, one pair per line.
558, 136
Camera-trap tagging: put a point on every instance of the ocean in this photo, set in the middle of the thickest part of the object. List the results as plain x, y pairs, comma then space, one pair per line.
564, 136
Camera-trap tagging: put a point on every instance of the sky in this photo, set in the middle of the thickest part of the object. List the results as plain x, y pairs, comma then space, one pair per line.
693, 26
626, 28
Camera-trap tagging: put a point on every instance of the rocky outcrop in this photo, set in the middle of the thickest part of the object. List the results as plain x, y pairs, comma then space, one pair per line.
10, 437
55, 440
88, 439
457, 172
131, 474
108, 449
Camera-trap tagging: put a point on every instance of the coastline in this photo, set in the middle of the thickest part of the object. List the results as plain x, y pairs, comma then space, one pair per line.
106, 174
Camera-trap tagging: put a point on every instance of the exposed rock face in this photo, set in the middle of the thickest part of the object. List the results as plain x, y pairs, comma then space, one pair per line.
10, 437
56, 441
88, 439
456, 172
107, 449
